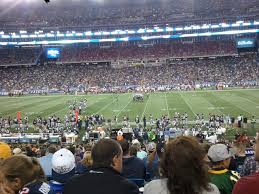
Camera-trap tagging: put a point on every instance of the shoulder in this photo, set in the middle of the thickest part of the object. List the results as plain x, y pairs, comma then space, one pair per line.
37, 188
128, 187
213, 189
156, 186
138, 160
248, 181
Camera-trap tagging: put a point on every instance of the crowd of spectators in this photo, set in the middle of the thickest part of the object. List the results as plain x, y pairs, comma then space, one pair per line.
131, 167
157, 51
231, 71
12, 56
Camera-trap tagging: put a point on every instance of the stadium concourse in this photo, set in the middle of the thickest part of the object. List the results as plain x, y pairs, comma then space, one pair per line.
129, 97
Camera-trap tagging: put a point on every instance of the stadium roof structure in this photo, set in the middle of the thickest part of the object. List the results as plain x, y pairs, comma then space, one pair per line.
142, 34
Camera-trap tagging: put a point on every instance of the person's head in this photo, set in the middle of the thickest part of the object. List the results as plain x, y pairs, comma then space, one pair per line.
19, 170
219, 156
5, 151
63, 165
87, 159
107, 153
151, 147
72, 149
124, 146
51, 149
182, 164
240, 148
133, 150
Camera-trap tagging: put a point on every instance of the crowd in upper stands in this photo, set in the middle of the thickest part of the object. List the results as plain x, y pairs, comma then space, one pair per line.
18, 56
156, 51
124, 52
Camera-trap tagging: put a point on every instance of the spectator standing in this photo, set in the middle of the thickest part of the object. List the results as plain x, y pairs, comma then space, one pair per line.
133, 167
46, 161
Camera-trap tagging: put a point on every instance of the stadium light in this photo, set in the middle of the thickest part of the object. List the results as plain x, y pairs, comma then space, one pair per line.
5, 36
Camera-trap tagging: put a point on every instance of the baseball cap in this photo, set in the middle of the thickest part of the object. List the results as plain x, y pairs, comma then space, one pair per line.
218, 152
151, 146
63, 165
17, 151
5, 150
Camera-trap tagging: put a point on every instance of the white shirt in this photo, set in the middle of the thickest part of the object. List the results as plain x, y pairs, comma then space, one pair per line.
160, 187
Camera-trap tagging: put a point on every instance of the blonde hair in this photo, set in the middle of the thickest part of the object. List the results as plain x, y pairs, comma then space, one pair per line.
87, 160
23, 167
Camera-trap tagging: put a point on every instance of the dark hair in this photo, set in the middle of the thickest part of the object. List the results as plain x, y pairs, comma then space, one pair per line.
72, 149
182, 164
52, 149
104, 151
124, 146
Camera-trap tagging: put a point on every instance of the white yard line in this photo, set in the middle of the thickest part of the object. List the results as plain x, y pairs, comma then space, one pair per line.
144, 111
105, 107
124, 107
168, 113
249, 100
231, 103
190, 107
212, 105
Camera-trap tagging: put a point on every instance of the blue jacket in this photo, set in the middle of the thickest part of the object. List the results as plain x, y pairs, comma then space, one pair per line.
46, 164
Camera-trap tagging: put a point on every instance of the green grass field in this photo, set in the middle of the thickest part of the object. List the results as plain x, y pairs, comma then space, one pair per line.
231, 102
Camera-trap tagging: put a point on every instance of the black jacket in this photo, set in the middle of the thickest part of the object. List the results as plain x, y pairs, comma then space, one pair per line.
133, 167
103, 180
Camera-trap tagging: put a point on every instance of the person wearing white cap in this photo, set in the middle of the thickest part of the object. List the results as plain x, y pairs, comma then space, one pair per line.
223, 178
63, 168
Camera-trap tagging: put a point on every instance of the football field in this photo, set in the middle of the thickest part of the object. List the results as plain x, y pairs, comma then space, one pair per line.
232, 102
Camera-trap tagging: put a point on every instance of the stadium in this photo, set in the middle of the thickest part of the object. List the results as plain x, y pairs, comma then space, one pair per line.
126, 97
